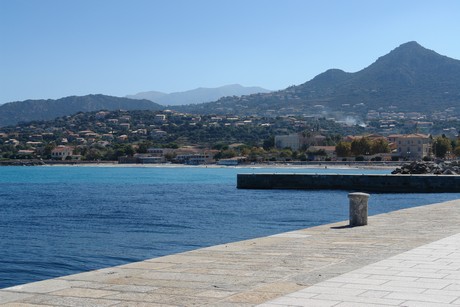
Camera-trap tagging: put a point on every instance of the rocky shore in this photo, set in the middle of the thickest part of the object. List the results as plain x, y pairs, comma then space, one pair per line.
435, 168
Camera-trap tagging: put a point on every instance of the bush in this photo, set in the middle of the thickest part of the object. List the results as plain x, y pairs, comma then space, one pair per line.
359, 158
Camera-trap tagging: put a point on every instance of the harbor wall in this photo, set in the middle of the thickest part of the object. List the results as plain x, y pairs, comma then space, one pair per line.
367, 183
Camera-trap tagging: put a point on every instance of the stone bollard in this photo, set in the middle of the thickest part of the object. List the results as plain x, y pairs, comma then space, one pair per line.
358, 208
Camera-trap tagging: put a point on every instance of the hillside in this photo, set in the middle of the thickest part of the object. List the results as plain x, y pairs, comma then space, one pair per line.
410, 78
28, 110
198, 95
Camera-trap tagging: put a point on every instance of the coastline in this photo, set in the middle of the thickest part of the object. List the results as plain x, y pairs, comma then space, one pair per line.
293, 165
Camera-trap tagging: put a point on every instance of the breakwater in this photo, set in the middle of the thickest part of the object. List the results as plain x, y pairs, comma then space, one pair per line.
367, 183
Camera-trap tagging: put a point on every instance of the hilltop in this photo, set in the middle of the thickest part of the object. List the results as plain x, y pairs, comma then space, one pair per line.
29, 110
409, 78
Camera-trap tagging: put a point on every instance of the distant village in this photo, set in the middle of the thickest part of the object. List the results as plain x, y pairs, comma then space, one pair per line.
147, 137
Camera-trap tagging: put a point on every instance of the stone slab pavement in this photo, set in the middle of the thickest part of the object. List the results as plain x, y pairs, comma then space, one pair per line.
424, 276
408, 257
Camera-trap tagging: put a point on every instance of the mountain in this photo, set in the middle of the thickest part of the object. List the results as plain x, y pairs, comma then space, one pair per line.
409, 78
28, 110
151, 95
198, 95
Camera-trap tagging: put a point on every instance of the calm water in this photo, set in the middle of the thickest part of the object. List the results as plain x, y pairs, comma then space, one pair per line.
57, 221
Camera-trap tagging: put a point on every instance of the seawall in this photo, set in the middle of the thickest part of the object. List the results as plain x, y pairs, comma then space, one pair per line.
368, 183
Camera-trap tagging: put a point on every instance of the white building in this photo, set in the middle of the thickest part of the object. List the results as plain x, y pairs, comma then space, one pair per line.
412, 146
61, 152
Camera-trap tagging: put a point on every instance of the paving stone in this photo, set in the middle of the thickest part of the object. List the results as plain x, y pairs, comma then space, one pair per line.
6, 296
279, 287
23, 305
142, 304
424, 304
252, 297
429, 287
45, 286
216, 293
83, 292
130, 288
68, 301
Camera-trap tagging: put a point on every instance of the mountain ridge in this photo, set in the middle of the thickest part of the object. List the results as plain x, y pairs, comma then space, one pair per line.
198, 95
47, 109
410, 77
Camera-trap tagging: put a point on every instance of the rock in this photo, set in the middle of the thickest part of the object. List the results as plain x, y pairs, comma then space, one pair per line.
421, 167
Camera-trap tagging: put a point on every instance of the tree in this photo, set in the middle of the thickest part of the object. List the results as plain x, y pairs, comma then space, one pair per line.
286, 154
256, 154
380, 146
343, 149
361, 146
225, 154
130, 150
269, 143
441, 146
142, 148
457, 151
122, 150
48, 148
93, 154
170, 156
220, 146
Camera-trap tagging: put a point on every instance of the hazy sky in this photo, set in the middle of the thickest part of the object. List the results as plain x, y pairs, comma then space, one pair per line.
57, 48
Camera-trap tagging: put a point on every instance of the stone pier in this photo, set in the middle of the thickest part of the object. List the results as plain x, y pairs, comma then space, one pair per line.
408, 257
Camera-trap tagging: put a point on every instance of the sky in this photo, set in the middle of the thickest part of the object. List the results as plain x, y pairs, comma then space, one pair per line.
56, 48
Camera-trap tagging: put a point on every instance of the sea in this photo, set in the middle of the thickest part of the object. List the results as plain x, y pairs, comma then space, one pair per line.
56, 221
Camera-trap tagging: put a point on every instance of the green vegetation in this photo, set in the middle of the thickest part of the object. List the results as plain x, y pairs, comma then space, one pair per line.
442, 146
109, 135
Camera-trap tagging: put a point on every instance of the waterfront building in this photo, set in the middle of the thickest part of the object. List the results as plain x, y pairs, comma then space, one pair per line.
232, 161
297, 141
292, 141
61, 152
194, 159
412, 146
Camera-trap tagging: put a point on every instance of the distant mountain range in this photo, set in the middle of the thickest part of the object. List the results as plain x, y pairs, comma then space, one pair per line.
29, 110
198, 95
409, 78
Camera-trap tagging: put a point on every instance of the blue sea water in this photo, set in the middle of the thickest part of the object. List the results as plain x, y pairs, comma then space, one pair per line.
57, 221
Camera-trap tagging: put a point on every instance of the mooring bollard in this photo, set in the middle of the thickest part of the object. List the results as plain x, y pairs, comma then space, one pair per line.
358, 208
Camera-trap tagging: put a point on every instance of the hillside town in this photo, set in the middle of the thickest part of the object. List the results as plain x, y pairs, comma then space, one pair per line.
173, 137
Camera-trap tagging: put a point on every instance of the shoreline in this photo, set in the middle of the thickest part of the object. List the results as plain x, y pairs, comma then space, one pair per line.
294, 165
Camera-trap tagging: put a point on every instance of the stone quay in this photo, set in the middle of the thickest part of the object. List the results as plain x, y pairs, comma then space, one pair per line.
409, 257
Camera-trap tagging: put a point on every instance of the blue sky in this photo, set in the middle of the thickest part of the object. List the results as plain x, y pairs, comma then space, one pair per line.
58, 48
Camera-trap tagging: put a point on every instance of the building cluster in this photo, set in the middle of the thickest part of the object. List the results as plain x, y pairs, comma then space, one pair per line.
76, 137
186, 155
66, 138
